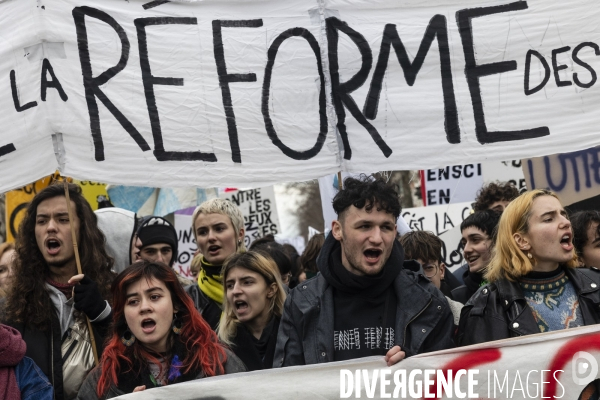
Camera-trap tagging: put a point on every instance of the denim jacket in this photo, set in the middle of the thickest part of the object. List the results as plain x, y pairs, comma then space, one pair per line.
33, 384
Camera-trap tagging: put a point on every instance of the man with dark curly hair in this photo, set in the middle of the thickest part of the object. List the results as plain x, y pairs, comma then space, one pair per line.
365, 301
495, 196
49, 301
586, 237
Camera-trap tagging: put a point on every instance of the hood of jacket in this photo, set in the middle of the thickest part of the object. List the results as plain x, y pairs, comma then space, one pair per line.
118, 226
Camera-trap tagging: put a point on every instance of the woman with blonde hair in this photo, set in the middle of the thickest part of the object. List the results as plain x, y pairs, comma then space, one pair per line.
218, 227
254, 303
534, 285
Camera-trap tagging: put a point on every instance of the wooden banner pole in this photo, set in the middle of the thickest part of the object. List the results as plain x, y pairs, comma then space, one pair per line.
79, 270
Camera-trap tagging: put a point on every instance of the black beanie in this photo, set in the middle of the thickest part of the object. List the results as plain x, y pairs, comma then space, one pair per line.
158, 230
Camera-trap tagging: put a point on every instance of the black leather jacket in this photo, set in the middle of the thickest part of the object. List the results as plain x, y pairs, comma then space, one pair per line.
499, 310
424, 321
463, 293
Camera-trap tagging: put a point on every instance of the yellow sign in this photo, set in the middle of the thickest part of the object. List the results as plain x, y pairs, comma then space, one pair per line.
18, 199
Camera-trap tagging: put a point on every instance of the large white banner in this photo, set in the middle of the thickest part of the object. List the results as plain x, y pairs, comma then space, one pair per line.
247, 93
555, 365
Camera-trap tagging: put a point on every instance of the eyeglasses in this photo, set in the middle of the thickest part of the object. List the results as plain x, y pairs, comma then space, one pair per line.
430, 270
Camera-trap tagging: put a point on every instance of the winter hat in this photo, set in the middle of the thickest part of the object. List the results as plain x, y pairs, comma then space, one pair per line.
154, 230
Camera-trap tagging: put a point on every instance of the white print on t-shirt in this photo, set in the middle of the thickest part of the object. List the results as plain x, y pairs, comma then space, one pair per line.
373, 338
347, 339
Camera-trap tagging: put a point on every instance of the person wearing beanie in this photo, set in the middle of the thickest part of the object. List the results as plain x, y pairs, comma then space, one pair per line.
156, 241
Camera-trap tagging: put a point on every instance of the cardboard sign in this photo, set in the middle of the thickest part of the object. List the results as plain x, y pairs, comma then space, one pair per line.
442, 221
259, 209
246, 94
18, 199
186, 241
572, 176
504, 171
454, 184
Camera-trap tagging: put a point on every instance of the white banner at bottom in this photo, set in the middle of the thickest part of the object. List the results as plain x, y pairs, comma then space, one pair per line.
555, 365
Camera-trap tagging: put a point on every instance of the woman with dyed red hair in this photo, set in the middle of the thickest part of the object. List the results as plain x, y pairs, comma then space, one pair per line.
158, 337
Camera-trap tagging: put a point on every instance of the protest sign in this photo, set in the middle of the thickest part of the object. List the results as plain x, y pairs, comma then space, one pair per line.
504, 171
214, 94
453, 184
259, 210
554, 365
443, 221
186, 241
460, 183
572, 176
18, 199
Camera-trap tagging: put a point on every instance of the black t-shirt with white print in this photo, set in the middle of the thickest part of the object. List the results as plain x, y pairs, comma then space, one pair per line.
360, 327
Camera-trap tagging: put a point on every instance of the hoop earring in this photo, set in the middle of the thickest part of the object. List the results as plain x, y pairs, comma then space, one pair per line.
176, 326
127, 338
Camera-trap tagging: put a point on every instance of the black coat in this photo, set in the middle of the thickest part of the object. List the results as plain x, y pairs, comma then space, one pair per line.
424, 321
499, 310
208, 308
244, 347
44, 347
463, 293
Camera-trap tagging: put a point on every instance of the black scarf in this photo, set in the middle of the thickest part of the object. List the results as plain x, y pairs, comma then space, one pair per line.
212, 270
366, 285
140, 373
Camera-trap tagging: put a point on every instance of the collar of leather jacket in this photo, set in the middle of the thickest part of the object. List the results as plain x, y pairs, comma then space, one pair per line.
585, 280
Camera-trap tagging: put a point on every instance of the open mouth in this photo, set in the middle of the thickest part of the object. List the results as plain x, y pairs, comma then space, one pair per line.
372, 254
240, 305
53, 246
148, 325
213, 248
565, 242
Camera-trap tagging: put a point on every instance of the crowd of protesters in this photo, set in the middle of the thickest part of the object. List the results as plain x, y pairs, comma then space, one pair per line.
126, 321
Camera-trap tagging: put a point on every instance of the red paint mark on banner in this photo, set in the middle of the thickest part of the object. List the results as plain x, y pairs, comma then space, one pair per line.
565, 355
468, 361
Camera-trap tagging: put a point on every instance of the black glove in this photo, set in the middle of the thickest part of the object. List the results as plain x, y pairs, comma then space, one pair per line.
88, 299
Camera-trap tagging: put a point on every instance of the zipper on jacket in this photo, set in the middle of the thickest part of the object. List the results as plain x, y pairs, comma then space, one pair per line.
412, 319
52, 361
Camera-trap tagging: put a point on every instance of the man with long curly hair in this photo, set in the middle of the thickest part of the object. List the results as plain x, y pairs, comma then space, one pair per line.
366, 301
49, 301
